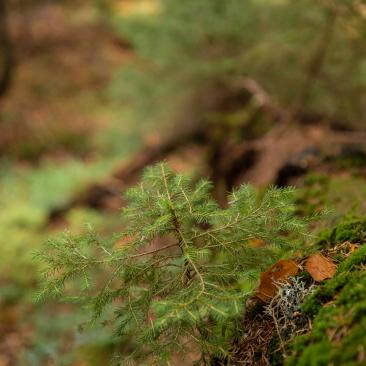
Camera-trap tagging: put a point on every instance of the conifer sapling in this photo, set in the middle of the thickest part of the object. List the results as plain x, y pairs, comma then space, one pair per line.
180, 271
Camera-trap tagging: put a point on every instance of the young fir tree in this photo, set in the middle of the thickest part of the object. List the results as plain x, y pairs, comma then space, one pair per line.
177, 274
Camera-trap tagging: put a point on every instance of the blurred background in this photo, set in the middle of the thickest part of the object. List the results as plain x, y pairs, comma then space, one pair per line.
91, 92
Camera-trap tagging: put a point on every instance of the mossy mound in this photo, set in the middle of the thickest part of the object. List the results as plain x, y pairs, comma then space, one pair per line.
337, 308
350, 229
328, 327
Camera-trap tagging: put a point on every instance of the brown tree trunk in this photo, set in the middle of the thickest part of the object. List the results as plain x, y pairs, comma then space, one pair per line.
6, 52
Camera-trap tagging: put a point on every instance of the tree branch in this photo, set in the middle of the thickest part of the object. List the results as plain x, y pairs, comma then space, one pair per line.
154, 250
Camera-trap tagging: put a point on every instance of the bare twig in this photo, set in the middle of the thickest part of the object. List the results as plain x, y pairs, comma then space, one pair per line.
279, 334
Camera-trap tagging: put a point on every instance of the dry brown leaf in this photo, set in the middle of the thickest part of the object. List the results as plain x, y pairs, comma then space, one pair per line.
279, 272
320, 267
256, 243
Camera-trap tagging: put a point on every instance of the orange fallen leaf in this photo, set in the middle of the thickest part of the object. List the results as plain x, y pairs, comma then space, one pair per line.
256, 243
123, 241
279, 272
353, 247
320, 267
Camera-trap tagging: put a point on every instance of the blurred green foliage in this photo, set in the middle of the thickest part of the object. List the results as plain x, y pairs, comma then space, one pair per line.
26, 196
308, 54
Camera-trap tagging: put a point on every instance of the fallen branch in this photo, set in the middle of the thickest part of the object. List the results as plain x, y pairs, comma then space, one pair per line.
279, 148
257, 161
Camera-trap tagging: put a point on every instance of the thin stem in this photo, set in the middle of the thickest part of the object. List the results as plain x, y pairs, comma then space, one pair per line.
182, 243
279, 334
154, 250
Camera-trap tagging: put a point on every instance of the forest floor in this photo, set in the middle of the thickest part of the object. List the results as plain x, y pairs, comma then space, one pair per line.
62, 129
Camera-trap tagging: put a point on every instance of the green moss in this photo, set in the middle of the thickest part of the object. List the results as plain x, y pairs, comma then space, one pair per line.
337, 309
349, 229
324, 238
351, 159
356, 259
338, 332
